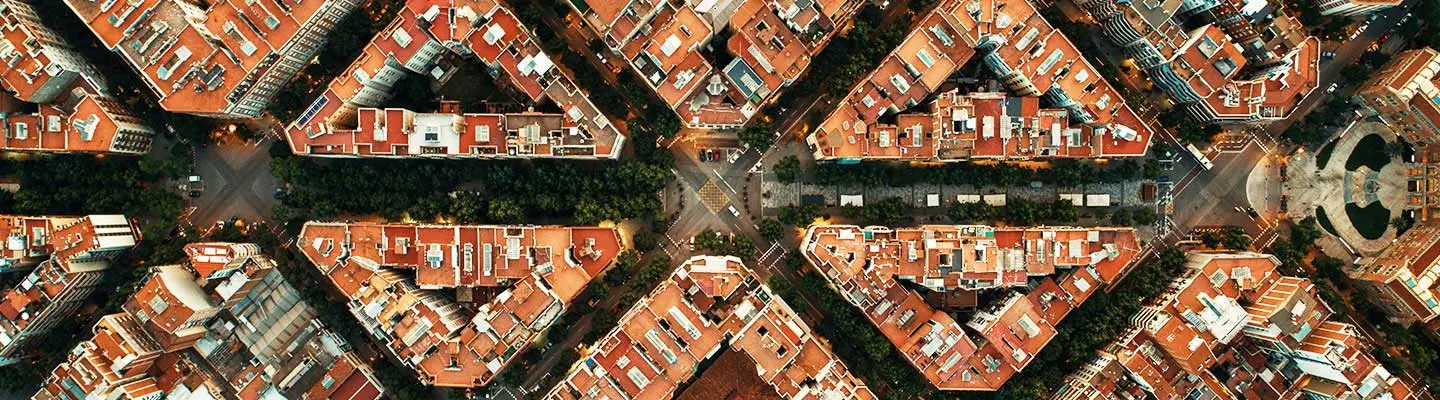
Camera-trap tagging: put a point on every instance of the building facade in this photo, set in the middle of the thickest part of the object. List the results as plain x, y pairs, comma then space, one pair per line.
532, 273
69, 256
224, 325
1353, 7
223, 58
1404, 95
1245, 64
1231, 326
1403, 277
413, 44
73, 112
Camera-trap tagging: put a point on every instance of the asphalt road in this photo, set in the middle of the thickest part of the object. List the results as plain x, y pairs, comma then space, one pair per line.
1209, 197
1349, 53
237, 183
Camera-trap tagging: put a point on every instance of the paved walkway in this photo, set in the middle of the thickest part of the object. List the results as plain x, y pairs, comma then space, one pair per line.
783, 194
1333, 187
1263, 187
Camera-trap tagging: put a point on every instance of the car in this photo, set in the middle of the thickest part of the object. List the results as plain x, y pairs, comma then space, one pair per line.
194, 186
279, 193
1332, 88
734, 211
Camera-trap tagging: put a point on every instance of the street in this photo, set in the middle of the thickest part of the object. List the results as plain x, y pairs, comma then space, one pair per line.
1209, 197
237, 182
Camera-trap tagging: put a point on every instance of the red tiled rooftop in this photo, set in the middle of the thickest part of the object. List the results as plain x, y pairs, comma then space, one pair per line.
456, 350
1048, 60
868, 264
658, 344
162, 39
1173, 353
660, 42
341, 121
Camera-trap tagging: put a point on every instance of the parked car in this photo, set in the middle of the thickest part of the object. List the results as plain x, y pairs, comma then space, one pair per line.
194, 186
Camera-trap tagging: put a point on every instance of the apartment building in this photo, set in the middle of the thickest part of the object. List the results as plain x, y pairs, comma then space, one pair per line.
1403, 277
224, 325
873, 268
1252, 63
768, 44
707, 304
40, 66
1015, 44
392, 275
68, 255
972, 126
1404, 95
221, 58
424, 32
68, 109
1231, 326
1354, 7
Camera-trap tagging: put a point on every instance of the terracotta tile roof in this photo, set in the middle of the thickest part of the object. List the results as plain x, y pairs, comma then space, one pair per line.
709, 301
206, 58
74, 113
68, 256
344, 120
1196, 340
137, 352
771, 44
866, 266
945, 40
542, 269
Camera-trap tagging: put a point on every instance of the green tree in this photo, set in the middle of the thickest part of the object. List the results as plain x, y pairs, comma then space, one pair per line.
888, 212
758, 136
972, 213
506, 211
787, 170
800, 215
1210, 239
1234, 238
1121, 217
1144, 216
772, 229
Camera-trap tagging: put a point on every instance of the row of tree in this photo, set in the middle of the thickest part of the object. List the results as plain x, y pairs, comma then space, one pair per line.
630, 278
490, 192
1093, 325
868, 354
856, 341
1327, 119
715, 243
